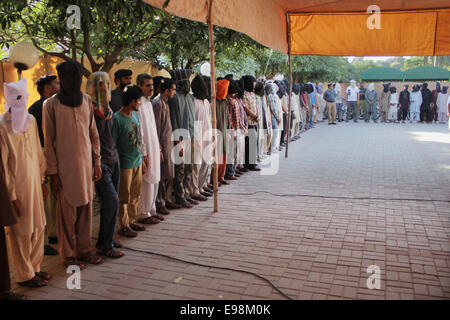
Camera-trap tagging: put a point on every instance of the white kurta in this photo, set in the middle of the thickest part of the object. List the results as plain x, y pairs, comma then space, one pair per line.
150, 138
24, 165
441, 102
152, 150
416, 102
203, 134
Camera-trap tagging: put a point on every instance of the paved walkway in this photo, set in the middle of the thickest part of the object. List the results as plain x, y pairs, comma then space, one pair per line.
310, 247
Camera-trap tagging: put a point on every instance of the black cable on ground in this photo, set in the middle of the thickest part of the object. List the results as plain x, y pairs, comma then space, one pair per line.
328, 197
213, 267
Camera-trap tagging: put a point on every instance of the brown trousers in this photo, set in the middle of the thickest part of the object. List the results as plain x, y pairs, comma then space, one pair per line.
50, 213
163, 193
222, 167
130, 189
331, 106
5, 281
26, 252
74, 226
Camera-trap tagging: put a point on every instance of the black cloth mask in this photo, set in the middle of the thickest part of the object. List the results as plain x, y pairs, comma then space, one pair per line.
199, 89
69, 73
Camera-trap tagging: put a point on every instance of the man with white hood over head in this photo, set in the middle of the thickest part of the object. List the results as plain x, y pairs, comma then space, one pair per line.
24, 165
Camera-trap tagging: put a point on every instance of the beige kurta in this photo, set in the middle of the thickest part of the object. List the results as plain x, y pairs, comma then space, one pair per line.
24, 166
72, 147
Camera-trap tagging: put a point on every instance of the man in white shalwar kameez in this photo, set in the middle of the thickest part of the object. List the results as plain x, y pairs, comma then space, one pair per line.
416, 102
152, 154
24, 166
202, 138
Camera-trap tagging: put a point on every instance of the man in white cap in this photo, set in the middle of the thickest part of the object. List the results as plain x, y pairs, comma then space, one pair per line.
23, 164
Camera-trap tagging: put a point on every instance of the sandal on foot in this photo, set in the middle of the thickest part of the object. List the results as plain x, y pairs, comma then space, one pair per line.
127, 232
44, 275
148, 220
110, 253
92, 259
117, 244
35, 282
160, 217
73, 262
137, 227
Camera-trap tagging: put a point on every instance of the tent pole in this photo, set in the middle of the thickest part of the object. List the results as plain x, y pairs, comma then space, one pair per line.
213, 106
288, 131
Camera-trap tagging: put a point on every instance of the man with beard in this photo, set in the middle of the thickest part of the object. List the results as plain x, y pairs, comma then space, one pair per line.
164, 130
47, 86
99, 88
425, 108
405, 102
72, 149
152, 154
384, 102
122, 78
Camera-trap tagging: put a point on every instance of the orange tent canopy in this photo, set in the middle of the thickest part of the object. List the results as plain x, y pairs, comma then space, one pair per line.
330, 27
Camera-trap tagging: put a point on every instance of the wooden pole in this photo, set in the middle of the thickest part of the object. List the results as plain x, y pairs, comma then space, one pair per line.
213, 106
288, 131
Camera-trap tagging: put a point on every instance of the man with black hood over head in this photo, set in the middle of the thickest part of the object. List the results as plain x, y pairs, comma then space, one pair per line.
384, 102
157, 86
404, 101
122, 78
72, 150
183, 117
251, 108
434, 107
425, 108
203, 156
281, 93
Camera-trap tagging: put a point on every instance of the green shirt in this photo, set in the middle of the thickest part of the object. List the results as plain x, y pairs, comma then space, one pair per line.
127, 136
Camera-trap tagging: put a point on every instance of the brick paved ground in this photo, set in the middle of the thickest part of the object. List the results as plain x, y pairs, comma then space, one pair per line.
312, 248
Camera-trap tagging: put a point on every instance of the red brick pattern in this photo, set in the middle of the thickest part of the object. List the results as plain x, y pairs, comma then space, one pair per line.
311, 248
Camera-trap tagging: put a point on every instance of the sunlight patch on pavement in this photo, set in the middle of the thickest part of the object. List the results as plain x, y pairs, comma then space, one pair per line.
431, 136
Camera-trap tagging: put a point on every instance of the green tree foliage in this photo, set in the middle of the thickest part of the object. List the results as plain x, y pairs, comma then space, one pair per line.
107, 28
184, 44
